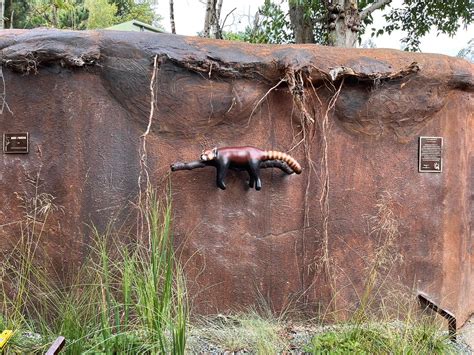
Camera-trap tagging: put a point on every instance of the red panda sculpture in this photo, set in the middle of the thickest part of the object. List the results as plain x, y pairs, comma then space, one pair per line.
242, 158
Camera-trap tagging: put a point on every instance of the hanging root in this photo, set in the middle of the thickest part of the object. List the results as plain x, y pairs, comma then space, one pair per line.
296, 86
263, 98
308, 108
3, 95
325, 185
144, 186
295, 80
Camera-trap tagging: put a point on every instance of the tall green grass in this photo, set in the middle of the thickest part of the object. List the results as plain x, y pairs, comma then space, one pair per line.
127, 297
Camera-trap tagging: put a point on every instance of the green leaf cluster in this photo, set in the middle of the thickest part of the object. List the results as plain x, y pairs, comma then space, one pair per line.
101, 13
417, 17
77, 14
271, 25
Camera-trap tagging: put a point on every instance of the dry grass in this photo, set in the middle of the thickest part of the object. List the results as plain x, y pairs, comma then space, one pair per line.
248, 331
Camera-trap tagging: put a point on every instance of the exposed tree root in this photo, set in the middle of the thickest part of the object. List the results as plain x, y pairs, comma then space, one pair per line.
3, 95
346, 72
309, 107
144, 186
296, 86
263, 98
324, 196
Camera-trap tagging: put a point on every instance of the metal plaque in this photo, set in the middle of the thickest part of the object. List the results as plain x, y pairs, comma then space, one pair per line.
430, 155
15, 143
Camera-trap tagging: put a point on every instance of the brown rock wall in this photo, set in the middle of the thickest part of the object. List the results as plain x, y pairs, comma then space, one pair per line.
84, 99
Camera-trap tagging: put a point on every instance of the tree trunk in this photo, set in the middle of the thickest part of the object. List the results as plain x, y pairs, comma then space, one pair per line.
173, 26
207, 17
344, 23
302, 27
211, 20
55, 16
216, 31
2, 9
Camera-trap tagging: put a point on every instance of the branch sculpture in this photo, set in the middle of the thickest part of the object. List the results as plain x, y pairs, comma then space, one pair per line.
248, 159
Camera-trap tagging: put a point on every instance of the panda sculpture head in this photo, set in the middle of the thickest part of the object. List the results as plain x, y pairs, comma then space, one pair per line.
209, 154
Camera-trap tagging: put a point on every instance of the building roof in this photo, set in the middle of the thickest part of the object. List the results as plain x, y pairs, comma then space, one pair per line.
134, 25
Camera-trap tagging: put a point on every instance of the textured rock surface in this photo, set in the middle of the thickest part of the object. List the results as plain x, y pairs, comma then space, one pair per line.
84, 98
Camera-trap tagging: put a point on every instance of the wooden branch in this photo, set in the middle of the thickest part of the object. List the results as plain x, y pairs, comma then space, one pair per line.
225, 18
198, 164
187, 166
374, 6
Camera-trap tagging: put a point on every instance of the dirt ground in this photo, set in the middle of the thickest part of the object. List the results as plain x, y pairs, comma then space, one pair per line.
466, 333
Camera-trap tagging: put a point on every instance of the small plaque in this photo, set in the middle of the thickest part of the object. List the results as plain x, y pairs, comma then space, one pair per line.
430, 155
15, 143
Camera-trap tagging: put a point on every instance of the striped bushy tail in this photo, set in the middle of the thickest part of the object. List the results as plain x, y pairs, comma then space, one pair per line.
292, 163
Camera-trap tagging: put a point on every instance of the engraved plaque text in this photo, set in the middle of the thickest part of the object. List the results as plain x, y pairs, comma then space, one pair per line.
430, 155
15, 143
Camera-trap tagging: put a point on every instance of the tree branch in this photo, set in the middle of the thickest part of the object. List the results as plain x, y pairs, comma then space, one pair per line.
187, 166
225, 19
374, 6
197, 164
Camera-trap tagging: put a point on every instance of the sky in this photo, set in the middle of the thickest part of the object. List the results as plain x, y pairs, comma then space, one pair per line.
189, 19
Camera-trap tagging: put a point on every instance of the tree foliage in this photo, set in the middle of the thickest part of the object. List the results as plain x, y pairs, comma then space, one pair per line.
101, 13
417, 17
16, 12
45, 13
77, 14
270, 25
468, 52
136, 10
282, 21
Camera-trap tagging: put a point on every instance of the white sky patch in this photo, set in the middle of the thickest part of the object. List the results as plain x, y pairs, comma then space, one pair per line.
189, 19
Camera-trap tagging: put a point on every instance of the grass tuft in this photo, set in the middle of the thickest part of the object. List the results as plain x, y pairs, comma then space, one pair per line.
383, 338
242, 332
